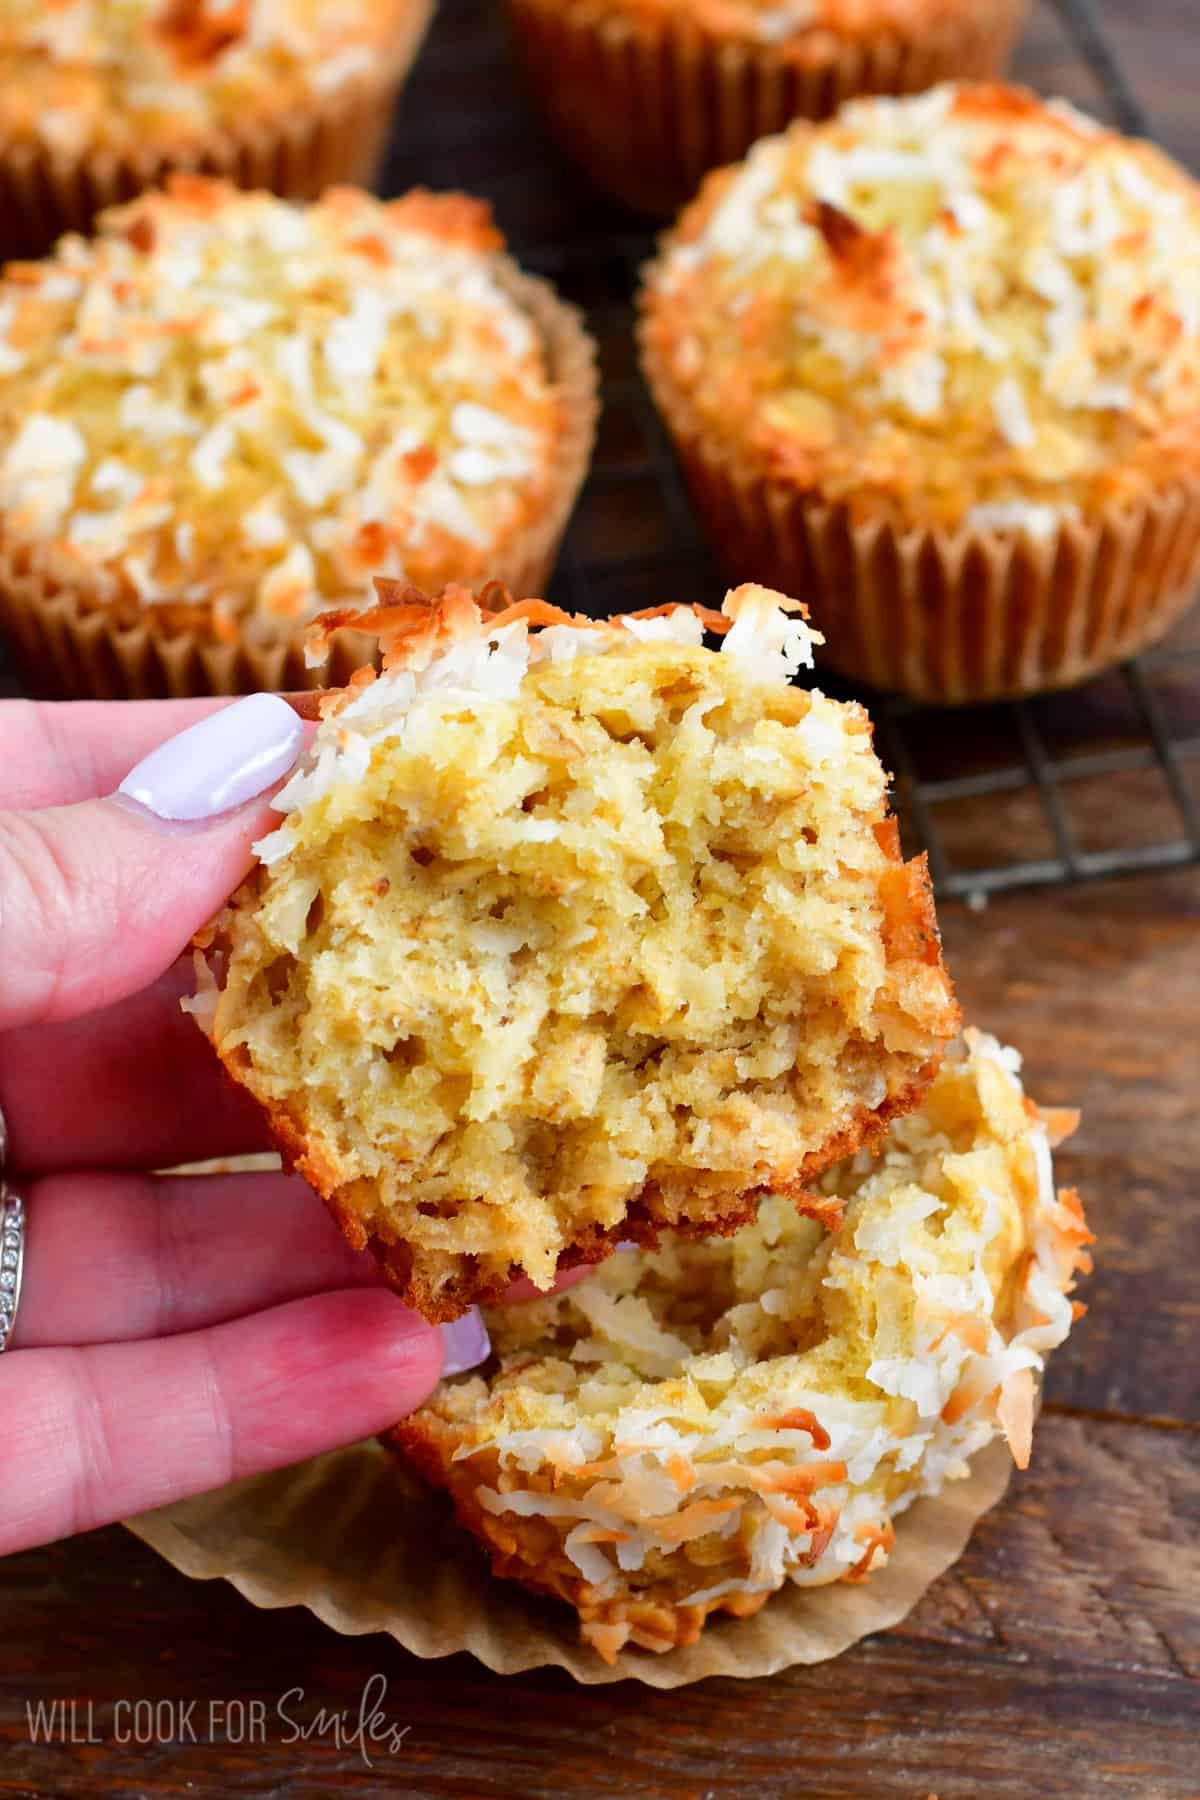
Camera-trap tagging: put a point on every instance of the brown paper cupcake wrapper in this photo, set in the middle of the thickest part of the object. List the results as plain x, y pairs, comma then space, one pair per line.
66, 643
647, 102
950, 617
338, 137
352, 1537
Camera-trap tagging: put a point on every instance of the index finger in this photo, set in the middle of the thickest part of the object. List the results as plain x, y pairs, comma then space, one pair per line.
57, 752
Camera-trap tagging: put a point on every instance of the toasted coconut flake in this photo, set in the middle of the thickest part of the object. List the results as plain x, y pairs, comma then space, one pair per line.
799, 1418
1015, 1413
880, 1541
607, 1640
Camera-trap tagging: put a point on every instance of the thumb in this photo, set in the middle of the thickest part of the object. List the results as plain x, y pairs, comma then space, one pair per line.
98, 899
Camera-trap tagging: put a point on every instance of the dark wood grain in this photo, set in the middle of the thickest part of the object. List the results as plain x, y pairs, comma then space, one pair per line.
1061, 1656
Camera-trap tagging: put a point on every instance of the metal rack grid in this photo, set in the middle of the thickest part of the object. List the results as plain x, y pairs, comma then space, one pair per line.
1101, 781
1063, 789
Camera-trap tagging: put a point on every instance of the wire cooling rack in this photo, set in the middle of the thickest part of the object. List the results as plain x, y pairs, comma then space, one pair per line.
1101, 781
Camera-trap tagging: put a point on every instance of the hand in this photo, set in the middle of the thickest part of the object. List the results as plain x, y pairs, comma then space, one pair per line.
173, 1332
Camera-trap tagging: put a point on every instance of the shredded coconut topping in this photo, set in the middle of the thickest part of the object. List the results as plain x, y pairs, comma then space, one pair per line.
719, 1418
75, 74
966, 298
453, 654
350, 378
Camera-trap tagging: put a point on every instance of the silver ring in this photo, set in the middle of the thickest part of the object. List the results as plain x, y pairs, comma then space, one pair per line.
12, 1247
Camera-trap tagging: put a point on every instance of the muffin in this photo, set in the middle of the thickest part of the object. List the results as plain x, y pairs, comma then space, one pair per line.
225, 413
682, 1433
935, 365
574, 932
101, 99
647, 95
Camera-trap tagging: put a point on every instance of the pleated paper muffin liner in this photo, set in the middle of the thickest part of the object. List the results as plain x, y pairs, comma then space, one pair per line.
647, 102
355, 1539
329, 138
68, 643
947, 616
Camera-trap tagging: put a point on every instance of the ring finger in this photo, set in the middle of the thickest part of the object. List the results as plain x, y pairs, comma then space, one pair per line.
115, 1257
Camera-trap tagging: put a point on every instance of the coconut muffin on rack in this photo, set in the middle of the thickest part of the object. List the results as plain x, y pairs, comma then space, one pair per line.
936, 365
226, 413
101, 99
684, 1432
647, 95
574, 932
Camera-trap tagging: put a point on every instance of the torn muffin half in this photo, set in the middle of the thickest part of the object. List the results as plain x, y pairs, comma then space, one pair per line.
684, 1432
574, 931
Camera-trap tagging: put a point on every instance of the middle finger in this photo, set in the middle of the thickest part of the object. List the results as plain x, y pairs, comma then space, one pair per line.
134, 1086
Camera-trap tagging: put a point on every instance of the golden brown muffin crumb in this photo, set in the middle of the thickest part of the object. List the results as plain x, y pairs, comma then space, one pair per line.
574, 931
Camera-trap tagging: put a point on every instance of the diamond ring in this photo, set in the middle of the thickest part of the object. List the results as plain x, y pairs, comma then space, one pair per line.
12, 1248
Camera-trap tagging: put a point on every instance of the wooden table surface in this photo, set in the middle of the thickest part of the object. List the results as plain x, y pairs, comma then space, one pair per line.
1060, 1657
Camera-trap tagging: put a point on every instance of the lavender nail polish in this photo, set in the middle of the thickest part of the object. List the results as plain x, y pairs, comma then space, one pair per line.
220, 763
467, 1343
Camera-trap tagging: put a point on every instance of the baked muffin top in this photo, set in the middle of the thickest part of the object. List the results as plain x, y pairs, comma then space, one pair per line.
970, 305
230, 403
78, 74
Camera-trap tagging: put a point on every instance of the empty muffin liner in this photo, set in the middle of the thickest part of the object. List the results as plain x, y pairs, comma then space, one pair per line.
67, 644
336, 137
360, 1543
646, 100
948, 617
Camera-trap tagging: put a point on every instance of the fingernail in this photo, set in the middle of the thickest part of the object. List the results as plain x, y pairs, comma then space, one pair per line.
220, 763
466, 1342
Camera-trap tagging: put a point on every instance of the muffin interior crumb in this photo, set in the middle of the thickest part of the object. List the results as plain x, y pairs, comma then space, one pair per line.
632, 939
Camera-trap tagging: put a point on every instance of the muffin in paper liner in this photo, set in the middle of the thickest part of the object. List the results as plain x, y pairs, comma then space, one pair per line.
647, 97
695, 1430
942, 1272
297, 151
66, 643
359, 1543
934, 367
951, 617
